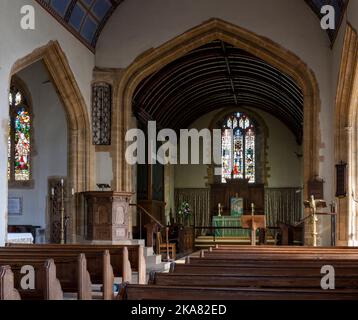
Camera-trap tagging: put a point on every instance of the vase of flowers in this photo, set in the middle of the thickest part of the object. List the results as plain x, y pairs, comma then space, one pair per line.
184, 213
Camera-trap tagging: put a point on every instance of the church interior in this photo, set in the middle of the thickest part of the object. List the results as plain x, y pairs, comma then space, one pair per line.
265, 95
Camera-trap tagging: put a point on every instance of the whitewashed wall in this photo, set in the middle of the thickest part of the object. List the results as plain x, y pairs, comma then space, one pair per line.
104, 170
352, 13
15, 43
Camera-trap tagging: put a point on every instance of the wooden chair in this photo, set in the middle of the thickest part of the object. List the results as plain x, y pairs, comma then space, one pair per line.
166, 248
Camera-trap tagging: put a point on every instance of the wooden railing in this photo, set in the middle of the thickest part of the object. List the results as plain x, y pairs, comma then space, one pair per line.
161, 226
141, 209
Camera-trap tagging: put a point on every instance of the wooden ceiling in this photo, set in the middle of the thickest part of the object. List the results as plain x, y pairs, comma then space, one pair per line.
214, 76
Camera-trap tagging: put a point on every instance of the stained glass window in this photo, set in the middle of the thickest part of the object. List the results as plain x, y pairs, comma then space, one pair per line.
238, 148
19, 141
226, 153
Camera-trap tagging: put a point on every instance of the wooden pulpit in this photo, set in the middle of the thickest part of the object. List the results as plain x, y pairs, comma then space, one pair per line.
253, 222
107, 216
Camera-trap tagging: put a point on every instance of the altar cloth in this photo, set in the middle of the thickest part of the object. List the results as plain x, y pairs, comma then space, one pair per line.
20, 238
229, 222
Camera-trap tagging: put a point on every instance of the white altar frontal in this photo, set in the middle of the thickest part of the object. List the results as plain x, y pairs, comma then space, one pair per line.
20, 238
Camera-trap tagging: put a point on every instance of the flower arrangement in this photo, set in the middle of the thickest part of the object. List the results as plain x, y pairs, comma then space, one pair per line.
184, 211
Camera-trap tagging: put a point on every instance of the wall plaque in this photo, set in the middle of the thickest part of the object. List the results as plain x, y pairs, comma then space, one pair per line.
341, 177
315, 188
15, 206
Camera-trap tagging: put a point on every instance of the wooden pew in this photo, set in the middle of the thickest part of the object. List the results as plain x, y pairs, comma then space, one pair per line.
69, 273
153, 292
234, 281
236, 256
251, 279
279, 248
47, 286
135, 255
250, 274
262, 270
101, 272
285, 255
7, 289
52, 286
287, 249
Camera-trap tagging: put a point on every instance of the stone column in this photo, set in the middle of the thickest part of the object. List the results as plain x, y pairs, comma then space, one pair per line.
3, 155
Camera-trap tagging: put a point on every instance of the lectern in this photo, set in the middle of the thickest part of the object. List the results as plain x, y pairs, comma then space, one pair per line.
107, 216
253, 222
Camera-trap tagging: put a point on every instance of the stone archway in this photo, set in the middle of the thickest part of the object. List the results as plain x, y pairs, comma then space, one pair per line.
216, 29
80, 151
346, 137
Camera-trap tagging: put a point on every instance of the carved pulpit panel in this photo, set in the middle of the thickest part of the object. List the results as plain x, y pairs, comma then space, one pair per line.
102, 215
107, 216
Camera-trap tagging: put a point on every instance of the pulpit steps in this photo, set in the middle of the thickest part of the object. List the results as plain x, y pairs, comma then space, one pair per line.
154, 262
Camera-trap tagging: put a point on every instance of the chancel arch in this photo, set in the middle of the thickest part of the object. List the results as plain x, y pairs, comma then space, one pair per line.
216, 29
213, 30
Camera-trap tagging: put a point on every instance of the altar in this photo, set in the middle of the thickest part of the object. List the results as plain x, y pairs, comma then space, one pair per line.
23, 238
227, 222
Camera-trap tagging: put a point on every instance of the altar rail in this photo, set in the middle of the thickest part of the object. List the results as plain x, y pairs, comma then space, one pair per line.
260, 235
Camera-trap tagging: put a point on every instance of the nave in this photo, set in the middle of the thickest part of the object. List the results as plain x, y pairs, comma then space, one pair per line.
174, 150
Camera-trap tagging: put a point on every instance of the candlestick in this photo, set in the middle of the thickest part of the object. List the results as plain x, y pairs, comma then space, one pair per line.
62, 231
252, 209
53, 192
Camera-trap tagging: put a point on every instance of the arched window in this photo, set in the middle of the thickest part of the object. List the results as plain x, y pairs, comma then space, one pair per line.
19, 141
238, 148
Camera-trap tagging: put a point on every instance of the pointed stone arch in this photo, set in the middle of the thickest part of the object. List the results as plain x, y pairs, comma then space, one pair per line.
346, 137
216, 29
80, 151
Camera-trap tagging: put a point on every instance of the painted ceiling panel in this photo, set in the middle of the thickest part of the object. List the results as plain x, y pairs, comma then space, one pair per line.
84, 18
340, 8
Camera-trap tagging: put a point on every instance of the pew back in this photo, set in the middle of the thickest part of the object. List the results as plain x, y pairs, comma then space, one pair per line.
7, 289
69, 273
154, 292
